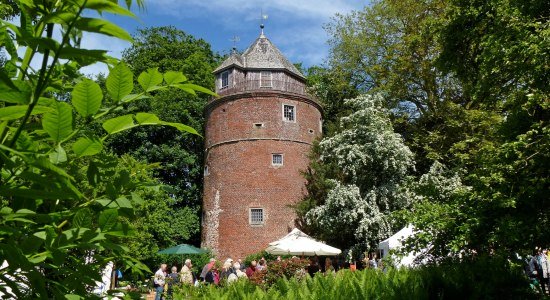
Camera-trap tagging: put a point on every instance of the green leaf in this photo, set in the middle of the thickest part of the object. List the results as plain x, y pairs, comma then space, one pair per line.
137, 199
150, 79
58, 156
6, 80
62, 17
21, 95
148, 119
118, 124
172, 77
123, 202
40, 234
102, 26
85, 147
189, 86
83, 218
181, 127
108, 219
84, 57
18, 111
108, 6
59, 122
120, 82
8, 43
133, 97
86, 97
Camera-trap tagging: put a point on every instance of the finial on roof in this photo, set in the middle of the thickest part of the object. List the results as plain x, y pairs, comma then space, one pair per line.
235, 39
262, 17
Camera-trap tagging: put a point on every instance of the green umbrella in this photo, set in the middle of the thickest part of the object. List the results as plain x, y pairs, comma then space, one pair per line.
182, 249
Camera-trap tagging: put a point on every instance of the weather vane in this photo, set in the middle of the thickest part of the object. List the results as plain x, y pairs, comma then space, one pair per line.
235, 39
262, 18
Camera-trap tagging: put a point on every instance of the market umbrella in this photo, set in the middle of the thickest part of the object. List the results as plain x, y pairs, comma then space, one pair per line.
182, 249
299, 243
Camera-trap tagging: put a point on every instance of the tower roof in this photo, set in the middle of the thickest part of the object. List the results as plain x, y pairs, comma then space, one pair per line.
261, 55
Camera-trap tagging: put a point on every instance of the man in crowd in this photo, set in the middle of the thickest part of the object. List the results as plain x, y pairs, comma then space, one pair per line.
159, 281
186, 275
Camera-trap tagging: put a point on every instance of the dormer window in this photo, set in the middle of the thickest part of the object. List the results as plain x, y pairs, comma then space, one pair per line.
265, 79
225, 79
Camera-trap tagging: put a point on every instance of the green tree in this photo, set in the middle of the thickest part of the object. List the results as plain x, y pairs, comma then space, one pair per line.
392, 47
331, 88
499, 51
180, 155
56, 234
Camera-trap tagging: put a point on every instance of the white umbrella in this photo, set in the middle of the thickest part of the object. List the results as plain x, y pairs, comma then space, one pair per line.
299, 243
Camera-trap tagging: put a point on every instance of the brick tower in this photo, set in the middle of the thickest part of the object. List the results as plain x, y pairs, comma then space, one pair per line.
258, 136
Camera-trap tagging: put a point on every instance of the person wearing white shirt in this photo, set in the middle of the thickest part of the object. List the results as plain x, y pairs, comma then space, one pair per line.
159, 280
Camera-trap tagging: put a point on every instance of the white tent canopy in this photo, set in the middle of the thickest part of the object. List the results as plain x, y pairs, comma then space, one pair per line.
299, 243
395, 242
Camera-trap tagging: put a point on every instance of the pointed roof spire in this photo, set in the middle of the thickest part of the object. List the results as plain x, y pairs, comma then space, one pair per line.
261, 55
262, 18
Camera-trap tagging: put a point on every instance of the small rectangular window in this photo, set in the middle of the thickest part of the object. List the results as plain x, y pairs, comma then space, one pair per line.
225, 79
265, 79
256, 216
277, 159
289, 113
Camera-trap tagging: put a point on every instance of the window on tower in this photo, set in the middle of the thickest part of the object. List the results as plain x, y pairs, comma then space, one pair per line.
289, 113
265, 79
225, 79
256, 216
277, 159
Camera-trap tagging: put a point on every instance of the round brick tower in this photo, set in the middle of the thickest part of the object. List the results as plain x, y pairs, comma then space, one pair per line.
258, 136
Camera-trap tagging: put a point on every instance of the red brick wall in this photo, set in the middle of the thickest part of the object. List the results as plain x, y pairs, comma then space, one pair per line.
238, 156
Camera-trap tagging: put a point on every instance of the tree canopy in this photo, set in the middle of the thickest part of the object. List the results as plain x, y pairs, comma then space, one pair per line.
466, 84
179, 156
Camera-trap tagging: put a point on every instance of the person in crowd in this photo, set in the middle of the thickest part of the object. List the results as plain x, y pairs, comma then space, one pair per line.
279, 258
186, 275
313, 266
262, 265
227, 269
172, 279
329, 269
238, 270
213, 275
542, 266
373, 263
159, 281
207, 268
243, 267
251, 269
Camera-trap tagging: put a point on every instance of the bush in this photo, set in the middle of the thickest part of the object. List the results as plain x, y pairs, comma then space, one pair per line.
276, 270
483, 278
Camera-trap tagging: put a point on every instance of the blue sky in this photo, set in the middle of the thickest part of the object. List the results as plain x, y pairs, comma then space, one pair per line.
294, 26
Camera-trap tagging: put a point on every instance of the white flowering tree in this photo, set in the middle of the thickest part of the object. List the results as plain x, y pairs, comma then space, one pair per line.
370, 164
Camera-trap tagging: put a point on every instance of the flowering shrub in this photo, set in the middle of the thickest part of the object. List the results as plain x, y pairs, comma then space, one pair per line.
286, 268
373, 163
